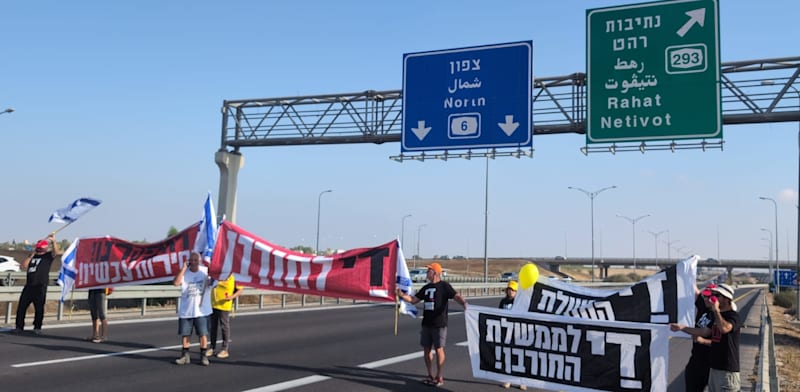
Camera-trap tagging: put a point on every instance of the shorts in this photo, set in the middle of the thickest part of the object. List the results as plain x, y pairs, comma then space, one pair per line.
721, 380
97, 304
433, 337
200, 325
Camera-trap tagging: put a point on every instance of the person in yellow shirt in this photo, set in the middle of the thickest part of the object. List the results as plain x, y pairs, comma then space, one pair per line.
222, 303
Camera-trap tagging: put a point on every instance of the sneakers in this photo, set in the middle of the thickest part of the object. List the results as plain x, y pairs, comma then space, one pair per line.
438, 382
209, 352
506, 385
98, 339
522, 387
184, 359
223, 354
204, 360
37, 331
18, 331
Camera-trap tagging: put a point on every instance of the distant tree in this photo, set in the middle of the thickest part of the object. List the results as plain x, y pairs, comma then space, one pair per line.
303, 249
172, 231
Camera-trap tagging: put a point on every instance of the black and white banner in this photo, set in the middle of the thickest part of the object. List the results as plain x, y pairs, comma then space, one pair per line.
565, 353
666, 297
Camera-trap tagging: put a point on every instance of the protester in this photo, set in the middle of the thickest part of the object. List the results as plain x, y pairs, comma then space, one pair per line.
97, 309
38, 266
695, 374
436, 296
723, 357
194, 307
507, 302
222, 297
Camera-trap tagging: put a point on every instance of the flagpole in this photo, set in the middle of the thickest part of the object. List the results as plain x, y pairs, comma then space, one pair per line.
396, 312
62, 227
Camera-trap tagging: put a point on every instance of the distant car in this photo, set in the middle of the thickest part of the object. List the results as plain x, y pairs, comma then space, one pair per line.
566, 279
418, 274
7, 264
713, 260
560, 258
508, 276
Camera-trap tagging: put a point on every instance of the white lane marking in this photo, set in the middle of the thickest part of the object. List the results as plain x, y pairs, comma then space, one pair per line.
312, 379
95, 356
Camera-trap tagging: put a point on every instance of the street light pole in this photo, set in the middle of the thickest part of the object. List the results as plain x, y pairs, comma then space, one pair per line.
771, 280
777, 262
403, 230
319, 205
771, 82
591, 196
633, 225
655, 241
419, 230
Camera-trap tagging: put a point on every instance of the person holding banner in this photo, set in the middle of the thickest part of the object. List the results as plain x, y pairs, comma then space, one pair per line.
97, 309
507, 302
723, 357
222, 297
194, 307
436, 295
695, 375
35, 291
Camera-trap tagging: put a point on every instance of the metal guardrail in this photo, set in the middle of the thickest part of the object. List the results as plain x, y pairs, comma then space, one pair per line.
767, 379
10, 295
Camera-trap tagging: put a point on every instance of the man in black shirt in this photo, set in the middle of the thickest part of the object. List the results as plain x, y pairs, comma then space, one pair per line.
723, 358
35, 291
696, 372
436, 295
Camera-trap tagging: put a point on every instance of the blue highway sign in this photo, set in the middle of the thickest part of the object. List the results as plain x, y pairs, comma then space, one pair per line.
785, 278
476, 97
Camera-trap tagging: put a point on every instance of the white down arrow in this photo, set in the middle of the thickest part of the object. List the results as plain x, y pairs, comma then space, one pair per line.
509, 126
421, 130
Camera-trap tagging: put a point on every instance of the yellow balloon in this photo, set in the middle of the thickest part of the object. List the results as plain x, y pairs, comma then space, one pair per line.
528, 275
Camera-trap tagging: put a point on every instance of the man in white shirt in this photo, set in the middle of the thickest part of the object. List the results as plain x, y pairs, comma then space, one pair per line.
194, 307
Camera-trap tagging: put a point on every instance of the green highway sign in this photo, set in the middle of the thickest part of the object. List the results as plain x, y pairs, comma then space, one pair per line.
653, 72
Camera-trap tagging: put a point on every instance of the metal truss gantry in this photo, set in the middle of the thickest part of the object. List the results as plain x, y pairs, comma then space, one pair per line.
755, 91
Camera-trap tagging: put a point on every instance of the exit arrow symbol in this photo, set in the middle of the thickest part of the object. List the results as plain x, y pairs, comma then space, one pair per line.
695, 16
509, 126
421, 130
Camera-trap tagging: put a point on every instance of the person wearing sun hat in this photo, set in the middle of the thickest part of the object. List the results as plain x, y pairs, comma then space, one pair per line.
723, 359
436, 295
37, 265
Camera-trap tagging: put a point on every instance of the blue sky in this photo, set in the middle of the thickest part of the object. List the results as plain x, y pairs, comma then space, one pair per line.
121, 101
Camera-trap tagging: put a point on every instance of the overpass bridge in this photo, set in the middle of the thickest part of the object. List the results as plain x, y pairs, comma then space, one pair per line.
604, 263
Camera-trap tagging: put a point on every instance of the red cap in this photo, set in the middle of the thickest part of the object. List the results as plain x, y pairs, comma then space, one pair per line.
42, 244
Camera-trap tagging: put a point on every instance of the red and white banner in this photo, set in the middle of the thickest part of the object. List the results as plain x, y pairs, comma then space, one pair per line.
108, 261
364, 273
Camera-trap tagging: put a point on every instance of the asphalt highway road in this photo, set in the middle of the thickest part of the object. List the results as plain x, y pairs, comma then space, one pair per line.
335, 348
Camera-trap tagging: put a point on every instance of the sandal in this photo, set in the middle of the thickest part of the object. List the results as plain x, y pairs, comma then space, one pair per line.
428, 380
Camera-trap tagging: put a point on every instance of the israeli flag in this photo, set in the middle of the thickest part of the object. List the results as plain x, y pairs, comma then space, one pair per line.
207, 236
404, 283
68, 273
72, 212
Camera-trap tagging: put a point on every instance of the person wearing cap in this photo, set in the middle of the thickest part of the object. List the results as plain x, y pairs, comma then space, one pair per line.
507, 303
38, 266
436, 295
695, 375
723, 358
